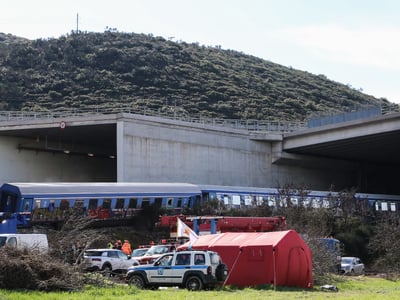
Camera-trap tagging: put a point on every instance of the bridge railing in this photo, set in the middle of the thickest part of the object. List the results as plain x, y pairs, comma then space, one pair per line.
249, 125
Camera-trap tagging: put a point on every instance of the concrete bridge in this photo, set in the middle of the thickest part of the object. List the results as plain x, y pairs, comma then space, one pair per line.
131, 147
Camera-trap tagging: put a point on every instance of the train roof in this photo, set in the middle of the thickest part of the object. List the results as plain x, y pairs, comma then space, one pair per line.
103, 188
236, 189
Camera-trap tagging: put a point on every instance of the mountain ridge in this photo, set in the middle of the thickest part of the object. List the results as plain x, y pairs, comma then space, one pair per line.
87, 70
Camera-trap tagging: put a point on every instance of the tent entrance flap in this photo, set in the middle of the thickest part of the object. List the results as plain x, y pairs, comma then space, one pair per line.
233, 266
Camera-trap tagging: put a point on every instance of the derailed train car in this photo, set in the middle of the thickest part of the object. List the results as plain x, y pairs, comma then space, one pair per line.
51, 202
56, 201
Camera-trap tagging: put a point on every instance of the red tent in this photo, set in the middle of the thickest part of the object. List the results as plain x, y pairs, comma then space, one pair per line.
279, 258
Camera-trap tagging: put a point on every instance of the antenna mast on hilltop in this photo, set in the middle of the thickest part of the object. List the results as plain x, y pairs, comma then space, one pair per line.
77, 23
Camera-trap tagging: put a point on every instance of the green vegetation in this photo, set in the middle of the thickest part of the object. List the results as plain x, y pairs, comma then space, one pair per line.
349, 288
112, 70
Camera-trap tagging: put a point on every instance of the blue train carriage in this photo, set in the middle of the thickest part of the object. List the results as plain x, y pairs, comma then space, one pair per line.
56, 201
381, 202
241, 197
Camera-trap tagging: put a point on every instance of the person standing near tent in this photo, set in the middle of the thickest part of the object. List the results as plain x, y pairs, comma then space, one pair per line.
126, 248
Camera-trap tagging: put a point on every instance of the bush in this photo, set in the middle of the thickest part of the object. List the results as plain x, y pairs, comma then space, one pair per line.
32, 270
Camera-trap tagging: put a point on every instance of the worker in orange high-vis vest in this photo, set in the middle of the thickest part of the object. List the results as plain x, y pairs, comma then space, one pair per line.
126, 248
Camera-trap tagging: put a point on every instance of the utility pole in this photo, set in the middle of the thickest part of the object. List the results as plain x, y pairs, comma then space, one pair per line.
77, 23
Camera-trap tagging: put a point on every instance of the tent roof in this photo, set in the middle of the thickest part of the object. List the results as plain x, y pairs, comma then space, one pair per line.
242, 239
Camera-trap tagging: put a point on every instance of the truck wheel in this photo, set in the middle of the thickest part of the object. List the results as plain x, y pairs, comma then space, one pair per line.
194, 283
137, 281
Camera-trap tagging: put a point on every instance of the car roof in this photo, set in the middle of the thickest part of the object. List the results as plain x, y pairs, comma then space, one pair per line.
194, 251
103, 249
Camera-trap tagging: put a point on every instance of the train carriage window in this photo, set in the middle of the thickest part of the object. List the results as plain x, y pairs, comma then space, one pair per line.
179, 204
79, 203
64, 204
227, 201
93, 203
205, 196
325, 203
27, 205
384, 206
158, 202
236, 200
106, 203
190, 202
44, 203
145, 202
316, 202
79, 206
271, 201
196, 201
170, 203
248, 200
133, 202
393, 206
52, 205
120, 203
213, 196
260, 200
242, 200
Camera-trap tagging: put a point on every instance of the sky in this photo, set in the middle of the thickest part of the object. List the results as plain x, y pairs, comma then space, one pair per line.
354, 42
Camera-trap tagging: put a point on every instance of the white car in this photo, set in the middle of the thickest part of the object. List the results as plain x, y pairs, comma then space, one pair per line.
352, 265
139, 252
110, 261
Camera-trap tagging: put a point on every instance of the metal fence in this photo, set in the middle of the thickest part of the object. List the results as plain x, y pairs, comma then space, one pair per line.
249, 125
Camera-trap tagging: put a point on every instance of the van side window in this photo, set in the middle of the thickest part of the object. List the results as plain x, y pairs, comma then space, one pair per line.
12, 241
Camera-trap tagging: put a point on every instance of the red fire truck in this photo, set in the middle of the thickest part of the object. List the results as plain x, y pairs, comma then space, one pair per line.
219, 224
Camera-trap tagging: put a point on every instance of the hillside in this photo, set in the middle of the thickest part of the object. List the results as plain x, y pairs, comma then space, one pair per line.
83, 71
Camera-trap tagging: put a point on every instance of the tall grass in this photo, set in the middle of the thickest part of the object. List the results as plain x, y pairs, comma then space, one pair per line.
361, 287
